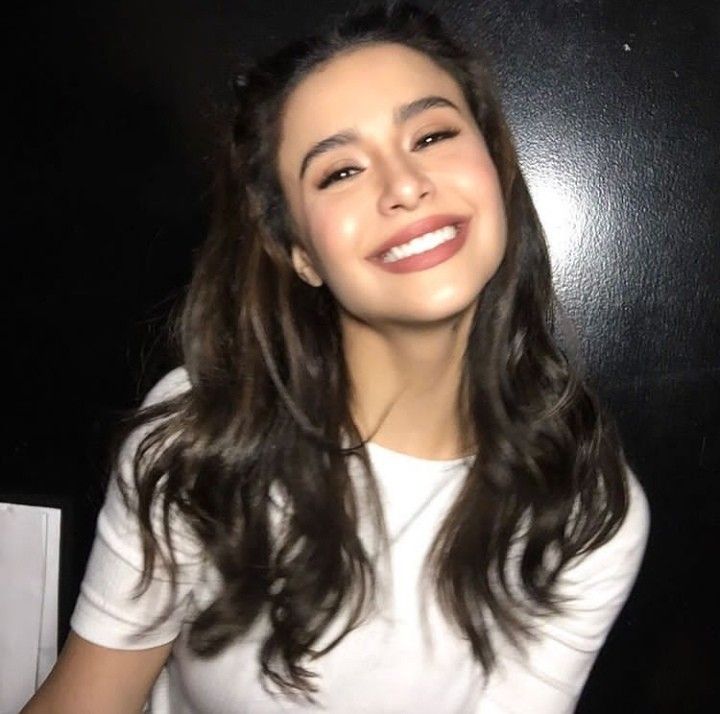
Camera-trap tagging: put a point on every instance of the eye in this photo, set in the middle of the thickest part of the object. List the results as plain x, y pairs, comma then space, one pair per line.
340, 175
347, 172
436, 136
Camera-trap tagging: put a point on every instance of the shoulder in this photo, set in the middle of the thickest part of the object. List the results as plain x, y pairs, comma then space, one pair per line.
636, 525
139, 454
171, 385
617, 561
174, 383
629, 540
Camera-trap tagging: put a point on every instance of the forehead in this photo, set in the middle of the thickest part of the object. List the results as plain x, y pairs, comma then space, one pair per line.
358, 88
385, 61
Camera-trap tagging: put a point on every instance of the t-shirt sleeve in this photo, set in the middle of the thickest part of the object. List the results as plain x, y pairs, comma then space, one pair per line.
551, 675
106, 613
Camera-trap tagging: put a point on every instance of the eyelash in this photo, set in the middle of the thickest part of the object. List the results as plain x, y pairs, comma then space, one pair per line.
435, 135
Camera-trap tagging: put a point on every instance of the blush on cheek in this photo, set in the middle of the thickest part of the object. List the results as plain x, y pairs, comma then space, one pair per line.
334, 234
480, 184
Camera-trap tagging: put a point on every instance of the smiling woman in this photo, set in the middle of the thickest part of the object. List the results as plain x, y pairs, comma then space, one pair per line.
375, 469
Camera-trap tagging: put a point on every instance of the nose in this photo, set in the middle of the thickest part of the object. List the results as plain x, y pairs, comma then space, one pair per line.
404, 185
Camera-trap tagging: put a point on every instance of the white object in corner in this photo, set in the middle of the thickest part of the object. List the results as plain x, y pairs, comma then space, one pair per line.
29, 573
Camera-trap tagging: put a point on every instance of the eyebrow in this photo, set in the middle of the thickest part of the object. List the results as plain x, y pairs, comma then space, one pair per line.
403, 113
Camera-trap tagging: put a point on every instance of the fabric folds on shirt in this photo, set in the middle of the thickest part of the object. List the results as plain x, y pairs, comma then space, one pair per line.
397, 661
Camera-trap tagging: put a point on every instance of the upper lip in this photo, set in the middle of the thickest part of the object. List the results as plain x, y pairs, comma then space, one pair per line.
418, 228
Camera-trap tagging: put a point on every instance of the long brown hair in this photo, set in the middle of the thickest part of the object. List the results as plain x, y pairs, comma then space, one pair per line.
267, 407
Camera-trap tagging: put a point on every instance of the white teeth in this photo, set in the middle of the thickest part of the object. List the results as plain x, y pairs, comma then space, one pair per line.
421, 244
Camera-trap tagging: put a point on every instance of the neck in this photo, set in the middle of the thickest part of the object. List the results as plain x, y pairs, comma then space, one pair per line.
407, 391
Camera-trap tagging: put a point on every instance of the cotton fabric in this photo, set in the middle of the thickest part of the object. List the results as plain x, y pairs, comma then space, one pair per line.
399, 661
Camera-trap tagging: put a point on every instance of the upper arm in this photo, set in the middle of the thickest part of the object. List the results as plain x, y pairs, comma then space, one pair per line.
118, 642
88, 678
556, 665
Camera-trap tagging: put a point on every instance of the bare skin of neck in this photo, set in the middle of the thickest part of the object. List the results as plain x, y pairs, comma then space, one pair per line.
406, 385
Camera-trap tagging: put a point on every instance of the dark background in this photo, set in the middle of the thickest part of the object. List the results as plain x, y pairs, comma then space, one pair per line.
113, 110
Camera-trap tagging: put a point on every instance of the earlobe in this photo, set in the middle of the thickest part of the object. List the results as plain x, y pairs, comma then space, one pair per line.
303, 267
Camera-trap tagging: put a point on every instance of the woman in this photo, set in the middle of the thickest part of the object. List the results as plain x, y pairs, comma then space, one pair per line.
376, 485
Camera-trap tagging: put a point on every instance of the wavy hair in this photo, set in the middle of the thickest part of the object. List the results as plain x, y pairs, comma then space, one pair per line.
267, 408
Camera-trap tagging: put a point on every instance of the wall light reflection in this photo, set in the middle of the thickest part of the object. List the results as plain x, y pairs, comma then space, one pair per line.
562, 213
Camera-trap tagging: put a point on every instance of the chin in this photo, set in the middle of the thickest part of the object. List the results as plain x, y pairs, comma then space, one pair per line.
444, 311
452, 302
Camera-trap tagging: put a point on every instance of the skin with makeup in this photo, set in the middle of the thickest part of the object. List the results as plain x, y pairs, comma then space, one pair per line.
400, 212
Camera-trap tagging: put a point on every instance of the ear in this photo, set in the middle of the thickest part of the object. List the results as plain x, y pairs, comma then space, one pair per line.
303, 266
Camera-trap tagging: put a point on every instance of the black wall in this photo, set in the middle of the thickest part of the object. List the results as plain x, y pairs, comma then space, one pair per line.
113, 108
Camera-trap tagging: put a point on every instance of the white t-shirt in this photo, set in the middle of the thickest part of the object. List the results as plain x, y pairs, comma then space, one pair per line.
398, 661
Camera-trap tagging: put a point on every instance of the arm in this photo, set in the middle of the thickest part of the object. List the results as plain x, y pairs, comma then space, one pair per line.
115, 651
88, 678
551, 675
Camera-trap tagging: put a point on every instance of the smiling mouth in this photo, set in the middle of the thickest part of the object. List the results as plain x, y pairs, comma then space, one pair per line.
424, 251
421, 244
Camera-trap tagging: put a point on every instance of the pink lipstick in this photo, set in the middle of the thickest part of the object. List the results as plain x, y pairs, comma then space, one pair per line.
428, 258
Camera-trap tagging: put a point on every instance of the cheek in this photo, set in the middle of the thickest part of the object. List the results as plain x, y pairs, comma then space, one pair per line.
475, 174
477, 179
335, 230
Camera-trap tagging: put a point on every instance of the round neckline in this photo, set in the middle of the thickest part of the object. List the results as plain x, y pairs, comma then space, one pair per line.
436, 463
